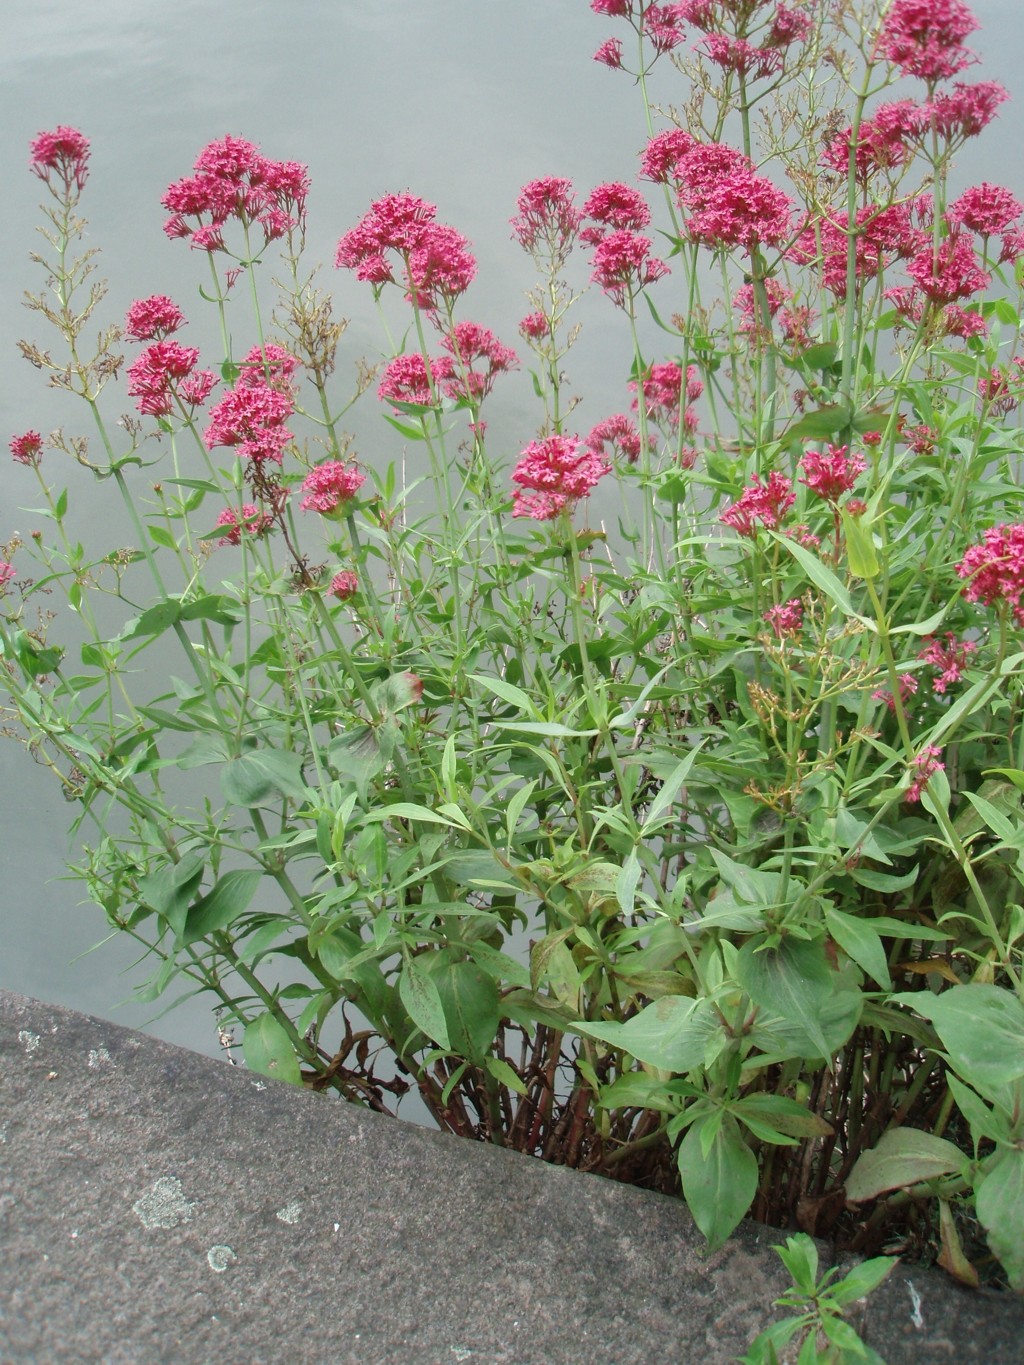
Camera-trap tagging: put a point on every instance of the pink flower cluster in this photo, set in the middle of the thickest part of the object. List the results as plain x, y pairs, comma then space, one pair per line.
167, 371
760, 505
907, 684
254, 522
153, 319
622, 265
436, 265
924, 38
63, 153
660, 24
27, 448
832, 473
233, 180
883, 235
994, 569
406, 380
251, 417
7, 572
475, 357
664, 388
727, 202
619, 434
923, 766
794, 319
950, 658
556, 472
548, 220
344, 585
330, 486
270, 365
786, 619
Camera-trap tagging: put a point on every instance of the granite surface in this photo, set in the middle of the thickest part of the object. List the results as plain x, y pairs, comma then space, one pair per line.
159, 1206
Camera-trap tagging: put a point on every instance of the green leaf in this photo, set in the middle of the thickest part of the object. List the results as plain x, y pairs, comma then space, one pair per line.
500, 965
249, 780
826, 421
212, 607
781, 1115
268, 1050
515, 696
672, 1034
1000, 1206
903, 1156
161, 536
154, 621
821, 576
718, 1186
862, 1280
422, 1000
792, 981
409, 810
861, 942
982, 1029
469, 998
357, 755
222, 905
504, 1074
860, 546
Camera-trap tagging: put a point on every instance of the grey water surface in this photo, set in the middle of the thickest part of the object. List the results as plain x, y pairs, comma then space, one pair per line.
460, 101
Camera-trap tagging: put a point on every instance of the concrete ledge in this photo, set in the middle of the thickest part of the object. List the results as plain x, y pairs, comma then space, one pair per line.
160, 1206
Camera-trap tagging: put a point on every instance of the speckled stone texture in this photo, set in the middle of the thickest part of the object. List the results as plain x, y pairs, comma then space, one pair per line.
159, 1206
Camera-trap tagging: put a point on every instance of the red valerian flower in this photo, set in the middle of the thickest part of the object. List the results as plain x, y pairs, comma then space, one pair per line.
548, 218
924, 38
949, 657
534, 327
618, 432
457, 372
664, 389
760, 504
152, 319
615, 9
251, 418
405, 380
156, 375
949, 274
7, 572
557, 472
65, 151
923, 766
614, 206
994, 569
233, 180
610, 54
270, 365
787, 619
330, 486
27, 448
622, 264
662, 24
659, 158
985, 209
254, 522
435, 260
728, 203
832, 474
883, 141
964, 112
908, 687
736, 54
344, 585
